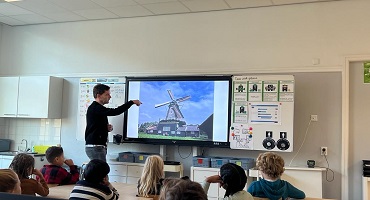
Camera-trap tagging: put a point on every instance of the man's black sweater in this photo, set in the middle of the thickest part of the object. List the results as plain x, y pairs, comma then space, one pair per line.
97, 121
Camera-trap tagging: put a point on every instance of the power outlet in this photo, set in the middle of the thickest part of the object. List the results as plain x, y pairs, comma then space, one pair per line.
324, 151
314, 118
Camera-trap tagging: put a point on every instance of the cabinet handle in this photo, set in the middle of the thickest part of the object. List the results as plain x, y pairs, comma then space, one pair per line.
24, 114
9, 114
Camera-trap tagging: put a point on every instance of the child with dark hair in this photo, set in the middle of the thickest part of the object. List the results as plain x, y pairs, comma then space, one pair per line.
271, 166
233, 179
96, 184
55, 173
181, 189
23, 165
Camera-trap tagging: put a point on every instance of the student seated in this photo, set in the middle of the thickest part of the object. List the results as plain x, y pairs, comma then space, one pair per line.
23, 165
150, 182
233, 179
182, 189
271, 166
10, 182
55, 173
96, 184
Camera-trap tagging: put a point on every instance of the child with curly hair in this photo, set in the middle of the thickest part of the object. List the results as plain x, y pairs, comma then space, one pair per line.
271, 166
24, 166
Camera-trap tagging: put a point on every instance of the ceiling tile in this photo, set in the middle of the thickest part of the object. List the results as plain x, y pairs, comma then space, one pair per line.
279, 2
64, 17
205, 5
39, 6
10, 21
130, 11
76, 4
167, 8
248, 4
114, 3
9, 9
96, 14
33, 19
153, 1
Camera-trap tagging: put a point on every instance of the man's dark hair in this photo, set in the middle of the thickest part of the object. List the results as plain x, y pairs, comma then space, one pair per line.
96, 170
100, 89
53, 152
233, 178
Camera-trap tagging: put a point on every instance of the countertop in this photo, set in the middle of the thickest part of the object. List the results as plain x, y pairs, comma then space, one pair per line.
14, 153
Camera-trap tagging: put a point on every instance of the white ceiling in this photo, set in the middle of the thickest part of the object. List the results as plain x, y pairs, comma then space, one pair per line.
28, 12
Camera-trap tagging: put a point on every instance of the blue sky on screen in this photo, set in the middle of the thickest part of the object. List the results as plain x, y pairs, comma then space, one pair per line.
195, 110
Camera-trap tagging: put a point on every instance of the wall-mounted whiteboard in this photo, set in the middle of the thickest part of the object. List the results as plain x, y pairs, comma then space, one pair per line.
262, 113
117, 89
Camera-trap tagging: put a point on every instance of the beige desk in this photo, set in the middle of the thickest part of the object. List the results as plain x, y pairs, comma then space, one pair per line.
126, 191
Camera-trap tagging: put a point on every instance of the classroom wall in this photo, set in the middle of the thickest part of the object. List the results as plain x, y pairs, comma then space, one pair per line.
359, 136
258, 39
316, 93
269, 40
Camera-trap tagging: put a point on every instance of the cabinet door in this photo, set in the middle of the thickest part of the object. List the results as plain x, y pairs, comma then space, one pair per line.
40, 161
201, 175
134, 171
118, 170
117, 179
6, 160
8, 103
33, 98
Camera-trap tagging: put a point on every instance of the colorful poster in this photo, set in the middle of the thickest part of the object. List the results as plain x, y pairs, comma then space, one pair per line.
241, 136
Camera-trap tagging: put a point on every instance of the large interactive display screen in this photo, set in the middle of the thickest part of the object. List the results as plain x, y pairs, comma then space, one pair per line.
179, 110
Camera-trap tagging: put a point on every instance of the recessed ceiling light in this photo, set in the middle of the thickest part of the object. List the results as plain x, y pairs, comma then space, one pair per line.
11, 0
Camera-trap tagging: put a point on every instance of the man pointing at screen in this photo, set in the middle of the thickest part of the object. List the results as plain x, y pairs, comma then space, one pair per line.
97, 126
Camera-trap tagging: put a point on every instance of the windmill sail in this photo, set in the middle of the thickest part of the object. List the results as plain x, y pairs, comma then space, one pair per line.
173, 111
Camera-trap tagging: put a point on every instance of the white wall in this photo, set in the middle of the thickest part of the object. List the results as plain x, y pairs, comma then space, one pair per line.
270, 40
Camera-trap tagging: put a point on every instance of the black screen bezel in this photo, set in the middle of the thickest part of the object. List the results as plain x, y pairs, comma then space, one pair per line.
177, 142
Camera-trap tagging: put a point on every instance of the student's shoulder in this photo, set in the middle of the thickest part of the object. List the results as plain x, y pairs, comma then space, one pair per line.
28, 181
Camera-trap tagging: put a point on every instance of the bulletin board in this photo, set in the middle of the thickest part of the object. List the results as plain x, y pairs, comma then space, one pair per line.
262, 113
117, 89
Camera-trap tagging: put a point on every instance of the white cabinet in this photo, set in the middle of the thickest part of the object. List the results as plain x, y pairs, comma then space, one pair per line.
32, 97
8, 103
40, 161
124, 172
5, 161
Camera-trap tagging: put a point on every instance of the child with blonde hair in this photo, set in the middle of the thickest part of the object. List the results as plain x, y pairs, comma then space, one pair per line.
10, 182
150, 182
271, 166
23, 165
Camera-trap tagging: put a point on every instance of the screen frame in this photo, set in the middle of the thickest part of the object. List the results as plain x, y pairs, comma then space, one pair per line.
178, 142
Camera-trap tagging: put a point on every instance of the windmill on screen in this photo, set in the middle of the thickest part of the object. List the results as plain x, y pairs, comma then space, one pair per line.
173, 112
174, 124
